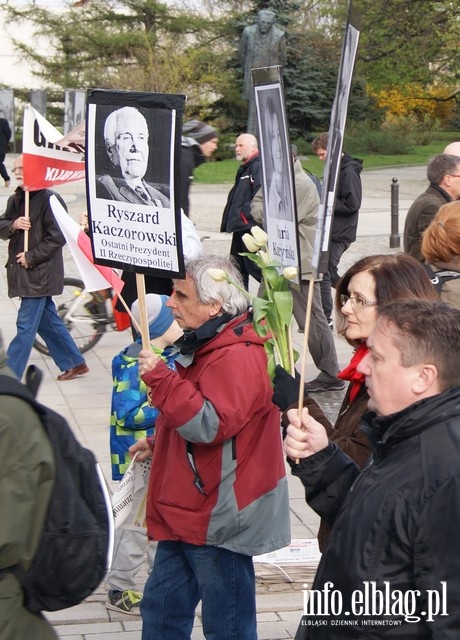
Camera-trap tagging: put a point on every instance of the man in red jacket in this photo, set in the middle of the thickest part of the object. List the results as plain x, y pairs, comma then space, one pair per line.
218, 489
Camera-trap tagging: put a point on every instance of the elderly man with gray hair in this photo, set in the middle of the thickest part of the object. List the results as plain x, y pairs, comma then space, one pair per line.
218, 490
126, 138
237, 218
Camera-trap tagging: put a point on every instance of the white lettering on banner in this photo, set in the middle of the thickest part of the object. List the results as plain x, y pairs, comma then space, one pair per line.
54, 174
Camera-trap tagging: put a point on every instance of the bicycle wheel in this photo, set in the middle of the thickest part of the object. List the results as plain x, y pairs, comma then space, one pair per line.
83, 327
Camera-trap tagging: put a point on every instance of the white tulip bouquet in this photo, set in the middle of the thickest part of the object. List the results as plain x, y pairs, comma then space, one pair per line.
272, 313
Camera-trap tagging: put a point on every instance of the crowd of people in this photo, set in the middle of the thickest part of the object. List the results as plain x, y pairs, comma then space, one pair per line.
199, 404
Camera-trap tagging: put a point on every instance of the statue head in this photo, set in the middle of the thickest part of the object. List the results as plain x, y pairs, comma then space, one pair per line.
265, 20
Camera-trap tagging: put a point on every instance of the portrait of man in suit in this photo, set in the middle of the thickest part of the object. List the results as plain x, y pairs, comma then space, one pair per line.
126, 139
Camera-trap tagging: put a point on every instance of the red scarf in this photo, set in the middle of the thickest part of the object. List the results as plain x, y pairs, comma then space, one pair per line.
350, 373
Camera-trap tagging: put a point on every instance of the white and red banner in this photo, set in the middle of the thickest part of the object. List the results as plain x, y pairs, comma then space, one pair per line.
49, 159
94, 276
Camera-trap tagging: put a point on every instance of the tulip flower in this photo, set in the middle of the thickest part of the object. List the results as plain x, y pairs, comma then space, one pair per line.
259, 236
272, 313
290, 273
219, 275
250, 243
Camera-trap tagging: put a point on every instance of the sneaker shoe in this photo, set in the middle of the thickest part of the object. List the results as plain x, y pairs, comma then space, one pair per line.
7, 183
125, 601
319, 386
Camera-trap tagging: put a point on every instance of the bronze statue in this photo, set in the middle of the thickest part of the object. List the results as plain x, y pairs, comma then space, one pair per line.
261, 45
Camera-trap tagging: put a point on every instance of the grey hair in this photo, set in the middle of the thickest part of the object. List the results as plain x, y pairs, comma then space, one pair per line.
233, 300
440, 166
111, 123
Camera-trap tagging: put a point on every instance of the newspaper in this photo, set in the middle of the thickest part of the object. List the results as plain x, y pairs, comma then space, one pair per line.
300, 558
129, 499
303, 551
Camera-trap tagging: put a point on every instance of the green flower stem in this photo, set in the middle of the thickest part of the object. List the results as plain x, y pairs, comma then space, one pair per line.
275, 342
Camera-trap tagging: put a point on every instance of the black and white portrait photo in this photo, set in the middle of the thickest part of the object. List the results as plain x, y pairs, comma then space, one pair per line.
126, 144
132, 168
277, 167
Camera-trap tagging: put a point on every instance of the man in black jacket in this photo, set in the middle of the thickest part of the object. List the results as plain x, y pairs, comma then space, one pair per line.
391, 567
237, 218
345, 222
35, 275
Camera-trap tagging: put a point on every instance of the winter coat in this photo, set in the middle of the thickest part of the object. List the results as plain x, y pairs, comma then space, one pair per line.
419, 216
27, 478
131, 417
191, 158
45, 275
346, 433
348, 200
237, 213
218, 476
396, 522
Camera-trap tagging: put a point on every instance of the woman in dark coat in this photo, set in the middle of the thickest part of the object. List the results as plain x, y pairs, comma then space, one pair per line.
370, 282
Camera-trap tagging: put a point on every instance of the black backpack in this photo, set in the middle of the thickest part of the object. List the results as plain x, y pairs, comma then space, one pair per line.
72, 555
438, 278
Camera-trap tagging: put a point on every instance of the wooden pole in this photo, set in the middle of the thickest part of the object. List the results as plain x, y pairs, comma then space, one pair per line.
311, 284
26, 215
140, 283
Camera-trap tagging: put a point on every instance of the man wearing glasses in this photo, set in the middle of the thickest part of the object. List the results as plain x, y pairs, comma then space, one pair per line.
443, 173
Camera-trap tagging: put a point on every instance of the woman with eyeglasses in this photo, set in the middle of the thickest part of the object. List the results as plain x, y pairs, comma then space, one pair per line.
370, 282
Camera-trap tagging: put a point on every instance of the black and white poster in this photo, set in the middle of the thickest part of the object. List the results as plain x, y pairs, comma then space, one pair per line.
132, 170
335, 144
277, 173
74, 109
38, 100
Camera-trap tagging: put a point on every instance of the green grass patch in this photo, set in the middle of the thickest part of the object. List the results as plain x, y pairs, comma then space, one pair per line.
224, 171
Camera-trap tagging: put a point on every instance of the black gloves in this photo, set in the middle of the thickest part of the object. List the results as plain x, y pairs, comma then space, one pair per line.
285, 388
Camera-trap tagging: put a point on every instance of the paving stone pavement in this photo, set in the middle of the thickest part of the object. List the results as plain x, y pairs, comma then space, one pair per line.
85, 402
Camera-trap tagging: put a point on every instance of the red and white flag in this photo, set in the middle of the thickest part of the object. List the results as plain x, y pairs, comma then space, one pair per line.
49, 159
94, 276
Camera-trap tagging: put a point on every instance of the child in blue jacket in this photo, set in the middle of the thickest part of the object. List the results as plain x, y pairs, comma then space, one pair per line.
132, 418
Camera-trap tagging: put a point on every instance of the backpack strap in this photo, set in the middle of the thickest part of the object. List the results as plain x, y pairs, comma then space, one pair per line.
438, 278
10, 386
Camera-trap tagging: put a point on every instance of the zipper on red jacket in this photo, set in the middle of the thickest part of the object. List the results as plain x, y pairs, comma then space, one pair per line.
198, 482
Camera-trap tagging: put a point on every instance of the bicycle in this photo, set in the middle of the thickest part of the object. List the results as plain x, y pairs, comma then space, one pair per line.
86, 321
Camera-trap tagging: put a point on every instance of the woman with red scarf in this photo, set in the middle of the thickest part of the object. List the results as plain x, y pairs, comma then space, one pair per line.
370, 282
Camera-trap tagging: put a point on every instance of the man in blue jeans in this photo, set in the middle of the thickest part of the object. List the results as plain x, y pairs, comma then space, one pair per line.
35, 276
217, 490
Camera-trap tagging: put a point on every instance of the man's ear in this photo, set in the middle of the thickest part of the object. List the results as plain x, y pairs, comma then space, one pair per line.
427, 377
111, 152
215, 309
